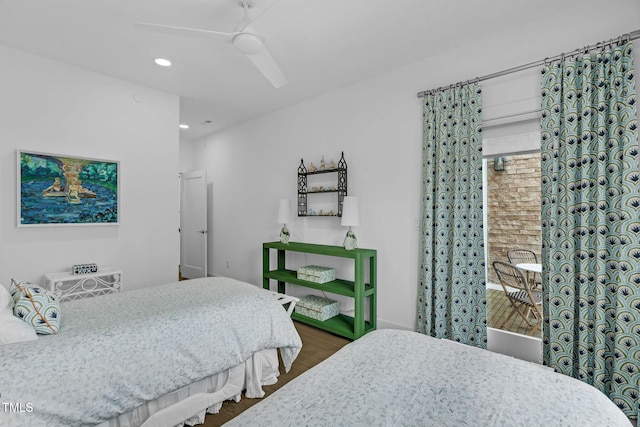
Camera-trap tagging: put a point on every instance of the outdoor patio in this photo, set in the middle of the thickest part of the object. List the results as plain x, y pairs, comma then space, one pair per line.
513, 222
499, 308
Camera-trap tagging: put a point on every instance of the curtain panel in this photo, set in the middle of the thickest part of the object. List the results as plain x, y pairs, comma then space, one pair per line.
591, 222
451, 289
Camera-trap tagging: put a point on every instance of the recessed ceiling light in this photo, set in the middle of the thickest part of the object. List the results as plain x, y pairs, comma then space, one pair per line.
183, 126
162, 62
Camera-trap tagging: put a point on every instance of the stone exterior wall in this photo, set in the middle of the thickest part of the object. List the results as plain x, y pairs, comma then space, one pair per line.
513, 208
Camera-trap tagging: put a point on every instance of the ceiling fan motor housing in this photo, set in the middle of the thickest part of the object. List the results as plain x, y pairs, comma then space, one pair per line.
247, 43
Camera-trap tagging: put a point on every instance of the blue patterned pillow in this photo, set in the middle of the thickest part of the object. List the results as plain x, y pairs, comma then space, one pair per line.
37, 307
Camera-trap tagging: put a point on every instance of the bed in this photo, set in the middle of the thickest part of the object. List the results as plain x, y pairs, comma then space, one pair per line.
157, 356
402, 378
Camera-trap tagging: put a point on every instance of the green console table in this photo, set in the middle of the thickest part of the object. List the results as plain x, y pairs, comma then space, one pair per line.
346, 326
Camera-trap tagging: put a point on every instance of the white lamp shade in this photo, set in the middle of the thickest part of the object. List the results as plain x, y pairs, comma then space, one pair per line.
350, 213
284, 211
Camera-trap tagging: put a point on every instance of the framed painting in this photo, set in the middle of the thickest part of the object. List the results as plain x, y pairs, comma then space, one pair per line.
58, 189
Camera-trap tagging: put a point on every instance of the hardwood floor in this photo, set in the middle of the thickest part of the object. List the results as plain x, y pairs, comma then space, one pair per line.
499, 308
317, 345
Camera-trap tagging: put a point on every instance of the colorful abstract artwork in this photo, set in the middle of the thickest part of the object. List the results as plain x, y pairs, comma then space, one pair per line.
64, 190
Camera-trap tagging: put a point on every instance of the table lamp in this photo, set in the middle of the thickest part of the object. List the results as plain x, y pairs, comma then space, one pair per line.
284, 216
350, 217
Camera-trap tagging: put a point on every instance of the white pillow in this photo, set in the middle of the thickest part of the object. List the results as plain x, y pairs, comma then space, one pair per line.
12, 329
5, 298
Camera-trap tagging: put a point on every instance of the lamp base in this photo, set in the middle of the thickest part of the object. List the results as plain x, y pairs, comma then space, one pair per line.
284, 235
350, 241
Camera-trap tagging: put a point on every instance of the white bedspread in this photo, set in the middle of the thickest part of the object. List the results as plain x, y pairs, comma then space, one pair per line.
114, 352
402, 378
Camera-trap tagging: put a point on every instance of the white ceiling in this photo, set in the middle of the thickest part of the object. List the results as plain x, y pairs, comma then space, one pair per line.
320, 45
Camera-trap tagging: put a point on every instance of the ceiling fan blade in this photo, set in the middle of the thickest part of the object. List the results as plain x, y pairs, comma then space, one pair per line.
182, 30
268, 67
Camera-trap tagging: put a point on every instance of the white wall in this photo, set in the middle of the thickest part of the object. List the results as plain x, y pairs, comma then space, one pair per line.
51, 107
378, 125
186, 155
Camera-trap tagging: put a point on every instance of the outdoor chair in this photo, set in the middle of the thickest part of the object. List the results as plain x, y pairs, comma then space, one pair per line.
525, 301
526, 256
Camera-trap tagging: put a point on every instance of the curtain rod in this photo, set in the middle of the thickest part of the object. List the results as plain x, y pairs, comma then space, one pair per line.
626, 38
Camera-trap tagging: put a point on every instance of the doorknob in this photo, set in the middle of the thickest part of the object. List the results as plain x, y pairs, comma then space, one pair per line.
203, 231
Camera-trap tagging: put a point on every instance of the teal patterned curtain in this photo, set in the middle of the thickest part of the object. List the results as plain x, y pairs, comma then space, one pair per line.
451, 292
591, 222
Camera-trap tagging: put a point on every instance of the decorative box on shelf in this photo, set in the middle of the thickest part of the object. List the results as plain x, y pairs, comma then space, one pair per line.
84, 268
316, 274
317, 307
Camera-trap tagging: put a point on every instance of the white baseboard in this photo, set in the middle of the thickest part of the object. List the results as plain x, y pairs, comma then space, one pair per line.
383, 324
515, 345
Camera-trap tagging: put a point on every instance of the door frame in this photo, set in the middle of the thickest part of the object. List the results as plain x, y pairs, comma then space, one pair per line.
202, 239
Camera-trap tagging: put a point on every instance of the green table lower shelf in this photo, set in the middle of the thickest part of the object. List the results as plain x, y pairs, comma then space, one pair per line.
340, 325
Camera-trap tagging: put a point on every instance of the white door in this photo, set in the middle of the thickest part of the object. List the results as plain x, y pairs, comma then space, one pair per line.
193, 224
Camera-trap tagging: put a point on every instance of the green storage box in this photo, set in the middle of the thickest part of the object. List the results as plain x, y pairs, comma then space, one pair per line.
316, 274
317, 307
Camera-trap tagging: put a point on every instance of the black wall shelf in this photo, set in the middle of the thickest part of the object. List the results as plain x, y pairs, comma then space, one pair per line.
304, 191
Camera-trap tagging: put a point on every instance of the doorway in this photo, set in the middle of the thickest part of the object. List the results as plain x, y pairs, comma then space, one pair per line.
193, 224
512, 221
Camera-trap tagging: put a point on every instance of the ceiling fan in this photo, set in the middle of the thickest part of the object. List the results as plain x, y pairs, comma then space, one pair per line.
244, 39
